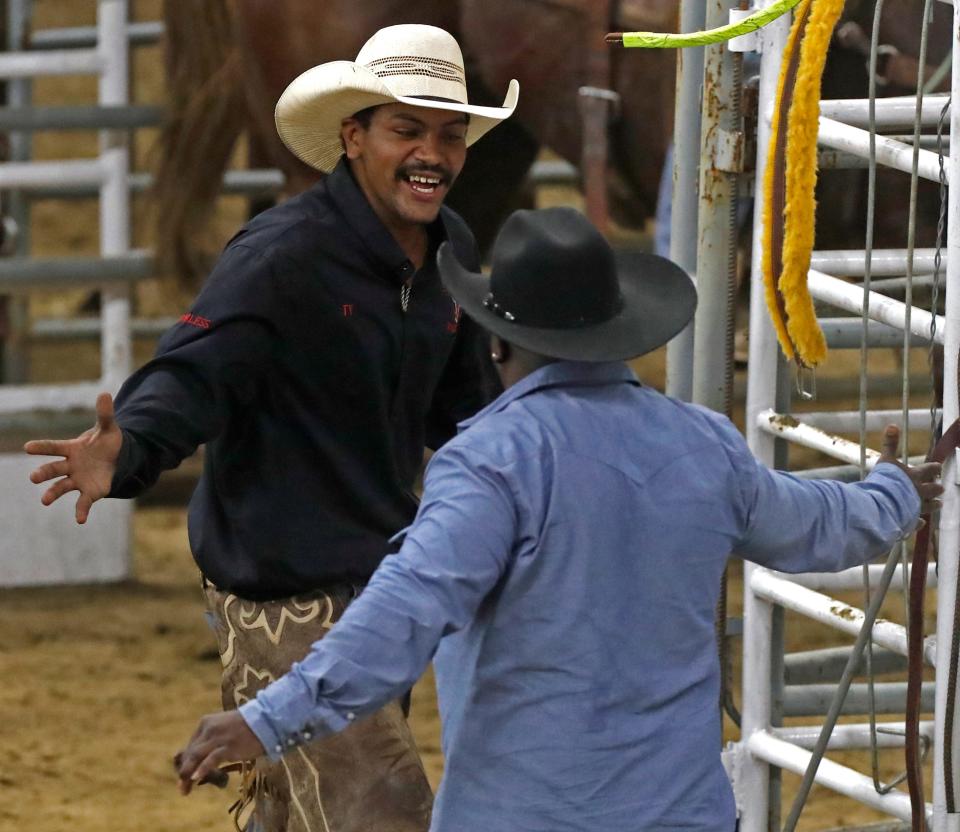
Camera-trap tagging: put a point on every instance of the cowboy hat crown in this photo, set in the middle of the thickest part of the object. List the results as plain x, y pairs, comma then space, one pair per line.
409, 63
557, 288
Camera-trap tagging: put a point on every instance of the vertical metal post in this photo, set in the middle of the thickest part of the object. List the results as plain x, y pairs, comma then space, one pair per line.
950, 514
594, 107
686, 175
721, 149
19, 92
757, 709
115, 358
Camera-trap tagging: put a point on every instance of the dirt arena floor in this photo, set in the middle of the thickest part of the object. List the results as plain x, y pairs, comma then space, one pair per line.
102, 684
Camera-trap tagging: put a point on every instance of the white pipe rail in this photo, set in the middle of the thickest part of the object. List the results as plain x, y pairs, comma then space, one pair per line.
833, 613
851, 735
35, 175
887, 310
848, 421
50, 62
884, 262
791, 429
834, 776
890, 153
852, 579
58, 398
896, 111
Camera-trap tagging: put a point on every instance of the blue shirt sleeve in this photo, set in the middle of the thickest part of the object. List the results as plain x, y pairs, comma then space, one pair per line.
797, 525
453, 555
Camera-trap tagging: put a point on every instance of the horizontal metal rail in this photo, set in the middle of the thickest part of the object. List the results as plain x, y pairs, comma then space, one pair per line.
138, 34
91, 327
261, 182
793, 430
21, 274
50, 62
851, 735
891, 113
846, 334
833, 613
852, 579
80, 118
890, 153
51, 397
811, 667
888, 698
839, 778
887, 310
848, 421
30, 175
885, 262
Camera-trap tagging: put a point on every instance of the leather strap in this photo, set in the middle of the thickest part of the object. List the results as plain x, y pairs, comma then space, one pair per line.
918, 581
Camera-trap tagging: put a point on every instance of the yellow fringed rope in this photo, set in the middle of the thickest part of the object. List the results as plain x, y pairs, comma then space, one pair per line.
790, 303
800, 214
772, 253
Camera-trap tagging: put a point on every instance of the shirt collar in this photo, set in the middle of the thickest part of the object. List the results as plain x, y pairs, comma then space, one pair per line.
353, 204
558, 374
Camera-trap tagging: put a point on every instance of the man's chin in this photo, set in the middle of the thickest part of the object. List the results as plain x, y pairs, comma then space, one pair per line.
421, 214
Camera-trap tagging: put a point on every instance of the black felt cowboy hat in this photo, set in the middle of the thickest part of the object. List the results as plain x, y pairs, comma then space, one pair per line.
556, 288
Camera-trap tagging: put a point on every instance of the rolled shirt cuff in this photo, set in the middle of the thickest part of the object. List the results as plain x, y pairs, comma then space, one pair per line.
910, 498
285, 715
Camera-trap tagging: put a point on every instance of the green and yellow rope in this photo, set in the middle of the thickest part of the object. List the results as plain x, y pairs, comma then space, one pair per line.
666, 40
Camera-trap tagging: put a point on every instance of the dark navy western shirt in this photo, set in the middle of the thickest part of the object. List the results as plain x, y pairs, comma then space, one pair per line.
563, 572
313, 388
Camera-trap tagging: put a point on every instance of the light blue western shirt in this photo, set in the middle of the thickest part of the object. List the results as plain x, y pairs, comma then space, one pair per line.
562, 573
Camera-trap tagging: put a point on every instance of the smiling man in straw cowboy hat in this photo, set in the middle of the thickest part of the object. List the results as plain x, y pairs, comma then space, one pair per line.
319, 358
564, 564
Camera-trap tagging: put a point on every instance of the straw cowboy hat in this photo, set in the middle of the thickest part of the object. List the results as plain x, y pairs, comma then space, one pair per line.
410, 63
557, 289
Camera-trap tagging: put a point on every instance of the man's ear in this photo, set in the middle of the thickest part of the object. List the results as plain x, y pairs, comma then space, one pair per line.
499, 349
351, 134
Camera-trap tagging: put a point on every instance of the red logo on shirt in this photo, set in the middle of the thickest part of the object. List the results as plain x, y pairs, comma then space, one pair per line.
347, 310
195, 320
453, 325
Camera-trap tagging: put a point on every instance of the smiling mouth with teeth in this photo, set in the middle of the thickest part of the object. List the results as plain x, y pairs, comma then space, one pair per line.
424, 184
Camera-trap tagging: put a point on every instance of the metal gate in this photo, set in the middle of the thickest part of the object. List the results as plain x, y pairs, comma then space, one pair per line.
765, 746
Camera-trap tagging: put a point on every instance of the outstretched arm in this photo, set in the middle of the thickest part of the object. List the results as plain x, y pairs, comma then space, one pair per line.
797, 525
208, 368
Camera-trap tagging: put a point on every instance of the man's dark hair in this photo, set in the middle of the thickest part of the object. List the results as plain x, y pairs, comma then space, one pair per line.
365, 115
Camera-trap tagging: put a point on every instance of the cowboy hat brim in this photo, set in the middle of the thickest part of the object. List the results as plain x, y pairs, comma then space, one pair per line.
311, 110
659, 300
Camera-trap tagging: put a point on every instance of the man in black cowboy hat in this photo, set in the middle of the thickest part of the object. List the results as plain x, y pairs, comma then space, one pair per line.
564, 564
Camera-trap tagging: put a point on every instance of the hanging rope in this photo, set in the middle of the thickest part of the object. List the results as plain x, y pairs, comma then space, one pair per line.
666, 40
790, 205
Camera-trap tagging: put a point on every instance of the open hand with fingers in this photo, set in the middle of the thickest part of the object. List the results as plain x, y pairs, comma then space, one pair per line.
219, 738
925, 477
87, 463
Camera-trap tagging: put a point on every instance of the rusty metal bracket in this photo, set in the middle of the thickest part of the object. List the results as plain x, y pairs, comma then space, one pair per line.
610, 96
728, 150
